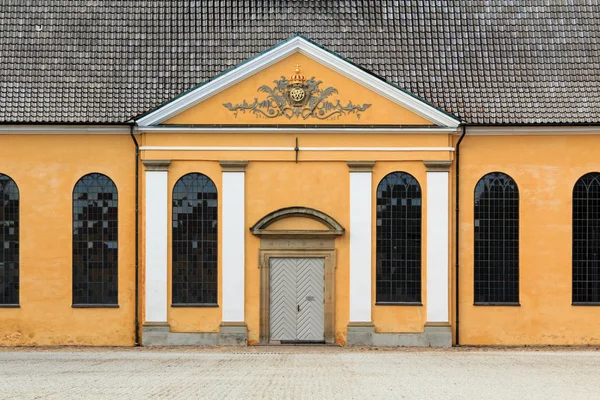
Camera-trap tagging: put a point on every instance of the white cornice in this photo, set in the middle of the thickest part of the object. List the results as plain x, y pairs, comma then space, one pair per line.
64, 130
267, 148
362, 130
530, 130
282, 51
44, 129
377, 148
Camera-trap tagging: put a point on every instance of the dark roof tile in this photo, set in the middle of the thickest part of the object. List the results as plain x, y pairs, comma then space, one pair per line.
487, 62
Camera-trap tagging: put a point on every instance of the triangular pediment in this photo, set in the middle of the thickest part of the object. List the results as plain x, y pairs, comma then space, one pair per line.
298, 83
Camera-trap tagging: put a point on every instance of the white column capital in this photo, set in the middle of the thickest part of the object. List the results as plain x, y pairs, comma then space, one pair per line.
233, 165
156, 165
360, 166
437, 165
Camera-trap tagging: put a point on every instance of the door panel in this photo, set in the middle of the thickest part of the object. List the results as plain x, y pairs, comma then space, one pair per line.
297, 310
283, 299
311, 296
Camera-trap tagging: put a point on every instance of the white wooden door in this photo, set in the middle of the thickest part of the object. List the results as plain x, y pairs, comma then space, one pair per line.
297, 299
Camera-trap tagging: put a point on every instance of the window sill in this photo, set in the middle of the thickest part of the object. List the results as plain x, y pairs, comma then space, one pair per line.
398, 303
200, 305
10, 306
590, 304
95, 306
497, 304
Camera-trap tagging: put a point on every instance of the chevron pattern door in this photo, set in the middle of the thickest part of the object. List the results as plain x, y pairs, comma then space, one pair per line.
283, 299
297, 299
310, 294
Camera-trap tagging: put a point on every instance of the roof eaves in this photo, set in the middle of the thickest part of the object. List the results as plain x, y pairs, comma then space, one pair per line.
395, 86
139, 116
379, 77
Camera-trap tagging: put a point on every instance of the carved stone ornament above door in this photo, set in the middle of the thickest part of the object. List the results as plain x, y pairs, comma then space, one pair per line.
298, 98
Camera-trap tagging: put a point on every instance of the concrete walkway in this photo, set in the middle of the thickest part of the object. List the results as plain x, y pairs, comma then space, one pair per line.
298, 373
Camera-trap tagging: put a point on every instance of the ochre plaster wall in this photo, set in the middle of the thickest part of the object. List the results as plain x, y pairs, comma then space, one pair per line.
319, 180
545, 169
260, 140
381, 112
297, 223
46, 168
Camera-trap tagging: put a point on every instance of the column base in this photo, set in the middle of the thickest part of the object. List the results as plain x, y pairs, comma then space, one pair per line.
233, 334
433, 335
159, 334
155, 333
360, 334
439, 334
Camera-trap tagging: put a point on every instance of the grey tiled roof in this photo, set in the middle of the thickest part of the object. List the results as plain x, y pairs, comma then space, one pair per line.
518, 61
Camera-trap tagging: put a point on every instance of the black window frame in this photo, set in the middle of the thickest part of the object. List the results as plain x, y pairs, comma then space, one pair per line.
194, 280
585, 255
10, 243
108, 220
499, 245
398, 268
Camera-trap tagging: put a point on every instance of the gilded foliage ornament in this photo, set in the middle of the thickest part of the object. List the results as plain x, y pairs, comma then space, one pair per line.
297, 97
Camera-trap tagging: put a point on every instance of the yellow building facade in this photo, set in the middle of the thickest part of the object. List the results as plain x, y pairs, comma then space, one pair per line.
298, 198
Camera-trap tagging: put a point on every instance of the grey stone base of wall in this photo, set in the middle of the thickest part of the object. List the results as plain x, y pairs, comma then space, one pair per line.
433, 335
159, 334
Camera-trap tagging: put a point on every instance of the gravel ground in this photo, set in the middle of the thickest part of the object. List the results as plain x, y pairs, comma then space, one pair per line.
299, 373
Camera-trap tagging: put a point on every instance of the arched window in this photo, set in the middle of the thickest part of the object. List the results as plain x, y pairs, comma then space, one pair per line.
586, 239
195, 241
9, 241
95, 241
496, 240
398, 248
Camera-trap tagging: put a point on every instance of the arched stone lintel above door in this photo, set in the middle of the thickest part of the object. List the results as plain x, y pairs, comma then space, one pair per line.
331, 227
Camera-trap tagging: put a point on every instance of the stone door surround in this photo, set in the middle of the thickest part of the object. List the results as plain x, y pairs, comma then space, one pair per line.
297, 244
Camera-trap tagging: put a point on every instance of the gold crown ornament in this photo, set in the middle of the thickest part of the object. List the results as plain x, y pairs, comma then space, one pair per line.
297, 77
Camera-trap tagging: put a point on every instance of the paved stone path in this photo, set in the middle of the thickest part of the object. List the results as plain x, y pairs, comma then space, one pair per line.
298, 373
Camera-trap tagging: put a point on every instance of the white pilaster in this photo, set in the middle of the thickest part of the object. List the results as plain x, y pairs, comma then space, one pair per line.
438, 205
156, 240
232, 239
361, 193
